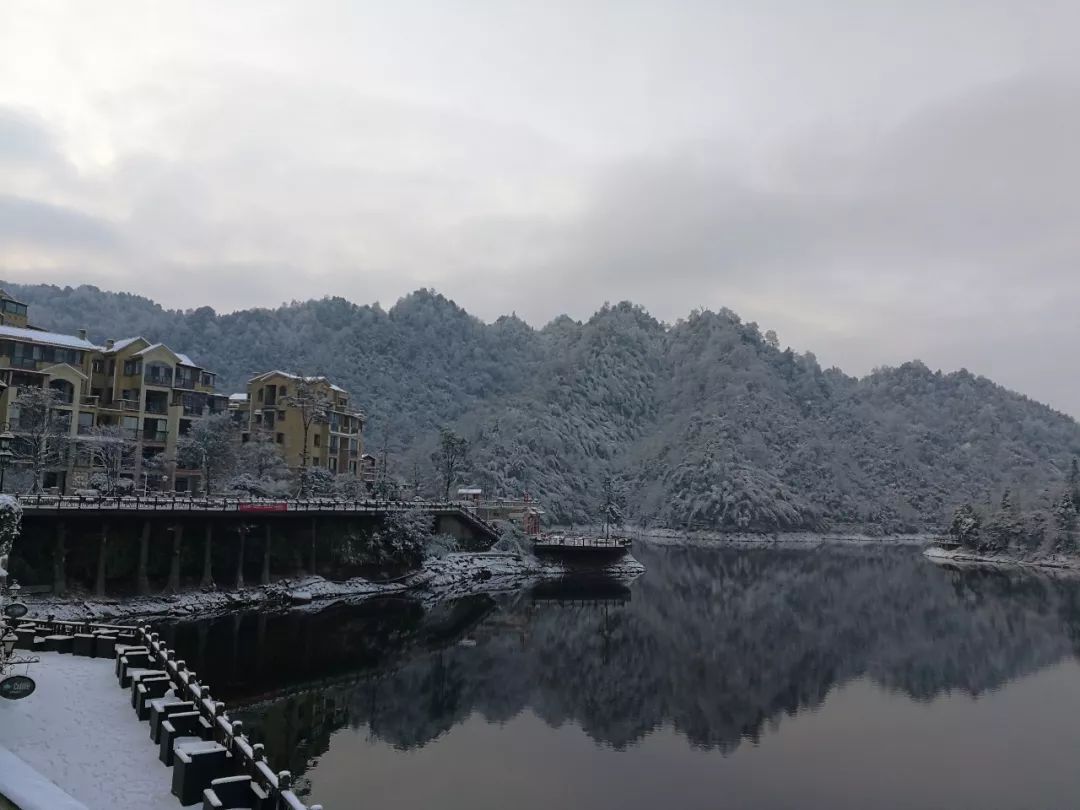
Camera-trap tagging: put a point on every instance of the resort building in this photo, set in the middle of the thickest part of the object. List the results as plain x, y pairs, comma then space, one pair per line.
290, 407
147, 390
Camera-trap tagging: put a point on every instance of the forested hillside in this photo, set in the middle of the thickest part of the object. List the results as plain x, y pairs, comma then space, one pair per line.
707, 423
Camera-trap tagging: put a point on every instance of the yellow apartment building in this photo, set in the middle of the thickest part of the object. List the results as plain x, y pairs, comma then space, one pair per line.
276, 402
151, 392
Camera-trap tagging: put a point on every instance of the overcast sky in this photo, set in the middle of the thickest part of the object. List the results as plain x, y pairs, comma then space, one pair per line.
876, 181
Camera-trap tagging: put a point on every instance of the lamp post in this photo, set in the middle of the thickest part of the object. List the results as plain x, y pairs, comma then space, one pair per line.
5, 454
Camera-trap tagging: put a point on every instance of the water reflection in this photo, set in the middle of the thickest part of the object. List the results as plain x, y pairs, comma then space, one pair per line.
712, 644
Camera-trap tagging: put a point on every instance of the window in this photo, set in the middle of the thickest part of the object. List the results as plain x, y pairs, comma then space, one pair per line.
352, 467
98, 366
132, 367
283, 391
333, 464
281, 438
259, 395
112, 365
318, 440
158, 374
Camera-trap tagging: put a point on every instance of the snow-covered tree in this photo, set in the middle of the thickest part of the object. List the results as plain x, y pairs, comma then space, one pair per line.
260, 468
41, 432
613, 505
450, 458
317, 482
210, 447
1065, 520
112, 459
10, 524
159, 471
404, 536
312, 399
965, 526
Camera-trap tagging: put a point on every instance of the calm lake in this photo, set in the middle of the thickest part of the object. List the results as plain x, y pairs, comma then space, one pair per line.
767, 678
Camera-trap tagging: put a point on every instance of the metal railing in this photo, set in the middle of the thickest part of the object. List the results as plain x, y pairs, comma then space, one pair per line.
580, 541
168, 503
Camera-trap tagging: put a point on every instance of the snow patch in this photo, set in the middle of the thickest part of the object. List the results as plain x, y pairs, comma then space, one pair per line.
78, 731
449, 577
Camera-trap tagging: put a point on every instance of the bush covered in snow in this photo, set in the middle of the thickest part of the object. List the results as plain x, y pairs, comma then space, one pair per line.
10, 525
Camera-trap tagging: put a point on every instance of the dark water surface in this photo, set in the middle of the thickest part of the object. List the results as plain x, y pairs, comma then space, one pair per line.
828, 678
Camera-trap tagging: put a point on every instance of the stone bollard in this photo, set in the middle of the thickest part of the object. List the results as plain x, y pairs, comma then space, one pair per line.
196, 765
85, 644
104, 646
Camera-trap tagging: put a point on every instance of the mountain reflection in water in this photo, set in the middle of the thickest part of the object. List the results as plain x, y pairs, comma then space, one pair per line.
711, 646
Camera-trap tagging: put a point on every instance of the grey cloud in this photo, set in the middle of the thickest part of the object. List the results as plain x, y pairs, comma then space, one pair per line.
25, 140
949, 236
40, 225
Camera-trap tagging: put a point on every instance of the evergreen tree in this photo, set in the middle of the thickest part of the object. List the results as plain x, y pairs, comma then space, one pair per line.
966, 526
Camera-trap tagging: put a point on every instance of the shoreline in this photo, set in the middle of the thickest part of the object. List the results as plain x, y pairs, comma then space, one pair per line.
1069, 566
795, 539
454, 576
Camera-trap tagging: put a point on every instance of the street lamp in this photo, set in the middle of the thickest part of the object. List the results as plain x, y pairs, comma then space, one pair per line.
8, 641
5, 454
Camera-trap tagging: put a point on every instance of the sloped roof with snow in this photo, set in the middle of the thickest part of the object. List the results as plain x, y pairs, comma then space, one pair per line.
238, 397
47, 338
291, 376
10, 297
119, 345
183, 359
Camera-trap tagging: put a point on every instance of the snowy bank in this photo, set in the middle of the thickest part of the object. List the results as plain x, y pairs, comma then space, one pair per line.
1055, 563
455, 575
798, 539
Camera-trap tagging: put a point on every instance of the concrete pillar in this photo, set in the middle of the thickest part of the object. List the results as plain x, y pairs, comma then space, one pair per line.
142, 577
240, 558
174, 561
99, 583
60, 559
265, 579
207, 563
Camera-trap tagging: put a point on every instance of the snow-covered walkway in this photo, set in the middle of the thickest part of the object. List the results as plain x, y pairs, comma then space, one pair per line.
79, 731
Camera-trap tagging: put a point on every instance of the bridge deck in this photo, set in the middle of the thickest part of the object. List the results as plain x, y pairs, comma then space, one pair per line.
41, 505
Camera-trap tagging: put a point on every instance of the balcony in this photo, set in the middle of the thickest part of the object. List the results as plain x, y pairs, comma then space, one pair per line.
159, 408
158, 436
187, 383
89, 400
161, 380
